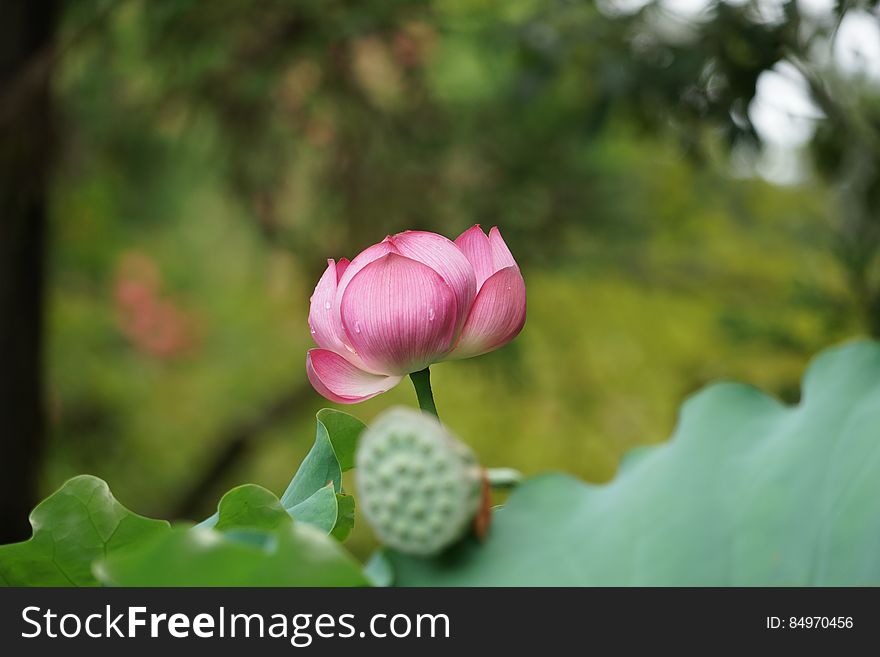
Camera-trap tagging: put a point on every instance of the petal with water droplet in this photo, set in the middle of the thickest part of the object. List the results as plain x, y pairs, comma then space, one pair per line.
444, 257
321, 312
383, 313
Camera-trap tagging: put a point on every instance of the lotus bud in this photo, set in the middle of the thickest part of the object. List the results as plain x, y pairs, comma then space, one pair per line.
413, 299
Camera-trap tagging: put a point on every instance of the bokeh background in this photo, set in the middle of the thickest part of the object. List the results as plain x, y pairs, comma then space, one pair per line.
691, 188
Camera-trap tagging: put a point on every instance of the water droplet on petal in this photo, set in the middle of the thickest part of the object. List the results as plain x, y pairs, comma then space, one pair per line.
314, 331
430, 314
357, 327
327, 305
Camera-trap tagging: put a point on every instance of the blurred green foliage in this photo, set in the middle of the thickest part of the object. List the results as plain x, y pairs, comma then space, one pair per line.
215, 154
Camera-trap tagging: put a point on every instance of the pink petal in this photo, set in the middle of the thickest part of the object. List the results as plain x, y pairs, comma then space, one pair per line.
399, 315
362, 259
501, 255
365, 257
445, 258
497, 316
324, 321
341, 266
322, 310
478, 250
340, 381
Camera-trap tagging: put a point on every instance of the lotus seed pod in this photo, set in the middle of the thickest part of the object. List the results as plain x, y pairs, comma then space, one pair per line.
420, 487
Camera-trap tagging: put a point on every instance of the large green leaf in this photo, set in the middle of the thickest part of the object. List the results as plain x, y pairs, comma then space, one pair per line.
306, 497
314, 495
318, 510
747, 492
251, 507
255, 543
330, 456
78, 523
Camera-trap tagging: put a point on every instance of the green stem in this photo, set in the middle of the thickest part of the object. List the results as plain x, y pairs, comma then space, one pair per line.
422, 383
503, 478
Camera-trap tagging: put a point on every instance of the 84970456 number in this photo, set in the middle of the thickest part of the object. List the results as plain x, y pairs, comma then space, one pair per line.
809, 623
820, 622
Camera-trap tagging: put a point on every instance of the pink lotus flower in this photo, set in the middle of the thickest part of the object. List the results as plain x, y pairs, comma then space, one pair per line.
414, 299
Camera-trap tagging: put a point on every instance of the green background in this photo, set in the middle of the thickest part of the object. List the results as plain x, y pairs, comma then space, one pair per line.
213, 155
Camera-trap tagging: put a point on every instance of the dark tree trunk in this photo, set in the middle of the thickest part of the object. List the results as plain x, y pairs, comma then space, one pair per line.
26, 31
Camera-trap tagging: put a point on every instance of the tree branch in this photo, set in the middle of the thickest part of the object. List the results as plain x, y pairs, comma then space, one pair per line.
235, 443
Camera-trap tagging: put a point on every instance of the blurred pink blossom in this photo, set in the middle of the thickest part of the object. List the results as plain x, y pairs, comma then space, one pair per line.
154, 324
